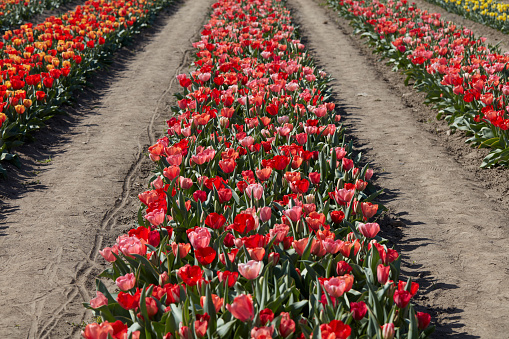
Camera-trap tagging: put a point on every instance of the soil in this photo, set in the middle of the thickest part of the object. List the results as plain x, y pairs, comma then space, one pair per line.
77, 189
446, 216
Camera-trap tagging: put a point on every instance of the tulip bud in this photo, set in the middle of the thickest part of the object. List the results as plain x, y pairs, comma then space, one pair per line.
163, 278
388, 331
273, 258
20, 109
310, 199
265, 213
382, 273
224, 122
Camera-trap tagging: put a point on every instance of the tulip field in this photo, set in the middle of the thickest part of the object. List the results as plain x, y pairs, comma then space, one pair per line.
261, 217
258, 220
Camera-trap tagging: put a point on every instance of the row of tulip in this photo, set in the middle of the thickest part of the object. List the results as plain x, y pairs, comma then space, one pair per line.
42, 65
16, 12
258, 220
465, 80
487, 12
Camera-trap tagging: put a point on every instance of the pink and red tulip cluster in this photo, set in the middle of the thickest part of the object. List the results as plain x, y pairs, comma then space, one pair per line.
464, 78
271, 234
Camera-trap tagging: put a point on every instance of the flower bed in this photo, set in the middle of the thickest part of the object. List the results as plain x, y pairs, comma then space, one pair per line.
42, 65
257, 220
462, 77
487, 12
15, 12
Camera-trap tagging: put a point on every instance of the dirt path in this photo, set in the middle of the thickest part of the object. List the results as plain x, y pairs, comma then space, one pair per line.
81, 197
453, 236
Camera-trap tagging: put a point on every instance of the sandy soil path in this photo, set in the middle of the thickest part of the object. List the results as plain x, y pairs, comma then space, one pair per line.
52, 230
454, 237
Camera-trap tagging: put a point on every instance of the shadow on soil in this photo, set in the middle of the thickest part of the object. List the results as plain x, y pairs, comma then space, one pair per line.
37, 153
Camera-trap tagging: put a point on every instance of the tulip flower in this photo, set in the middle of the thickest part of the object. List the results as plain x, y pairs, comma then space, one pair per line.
255, 191
199, 237
423, 320
368, 209
335, 329
242, 307
358, 310
251, 269
126, 282
388, 331
336, 286
382, 273
369, 230
402, 298
99, 300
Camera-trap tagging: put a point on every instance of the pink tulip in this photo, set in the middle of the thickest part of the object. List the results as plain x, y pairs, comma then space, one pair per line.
265, 213
156, 217
292, 86
98, 331
294, 213
174, 160
300, 245
301, 138
185, 183
369, 174
171, 172
126, 282
131, 245
262, 332
99, 300
107, 253
204, 77
368, 209
251, 269
336, 286
242, 307
254, 190
369, 230
199, 238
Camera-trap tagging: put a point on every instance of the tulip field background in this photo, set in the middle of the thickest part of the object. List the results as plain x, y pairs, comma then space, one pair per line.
254, 169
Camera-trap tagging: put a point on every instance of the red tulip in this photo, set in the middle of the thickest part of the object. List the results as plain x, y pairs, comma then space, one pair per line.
382, 273
343, 268
205, 255
287, 325
266, 316
358, 310
423, 320
215, 220
314, 177
190, 274
335, 329
402, 298
227, 275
